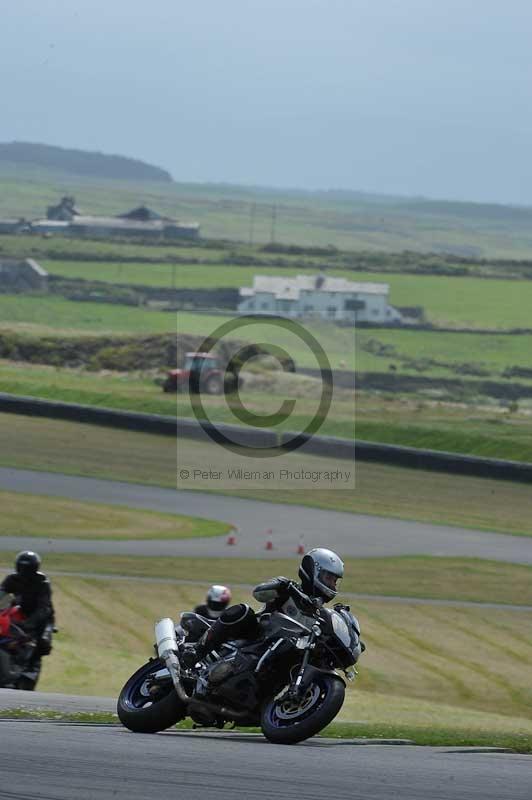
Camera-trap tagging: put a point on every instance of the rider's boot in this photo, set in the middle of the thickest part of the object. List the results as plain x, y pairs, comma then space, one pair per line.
211, 639
236, 621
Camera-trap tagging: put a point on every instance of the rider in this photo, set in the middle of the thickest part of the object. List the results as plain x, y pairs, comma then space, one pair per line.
320, 572
33, 594
217, 600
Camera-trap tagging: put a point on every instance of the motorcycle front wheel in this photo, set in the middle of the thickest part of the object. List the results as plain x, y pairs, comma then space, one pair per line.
149, 705
5, 669
287, 721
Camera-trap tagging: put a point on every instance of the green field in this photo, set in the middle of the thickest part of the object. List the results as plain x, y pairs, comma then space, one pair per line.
414, 352
349, 221
48, 313
447, 301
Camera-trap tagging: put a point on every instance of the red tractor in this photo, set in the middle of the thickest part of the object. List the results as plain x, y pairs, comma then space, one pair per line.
201, 372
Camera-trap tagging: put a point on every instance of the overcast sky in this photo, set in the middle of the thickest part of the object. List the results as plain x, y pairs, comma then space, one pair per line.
410, 97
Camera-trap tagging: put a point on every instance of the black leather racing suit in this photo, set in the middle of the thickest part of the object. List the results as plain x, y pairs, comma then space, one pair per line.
241, 622
204, 611
33, 593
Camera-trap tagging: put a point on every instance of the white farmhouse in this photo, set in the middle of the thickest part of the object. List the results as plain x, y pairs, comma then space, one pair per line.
319, 296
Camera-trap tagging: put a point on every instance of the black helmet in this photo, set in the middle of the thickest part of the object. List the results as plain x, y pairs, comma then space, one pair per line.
320, 572
27, 562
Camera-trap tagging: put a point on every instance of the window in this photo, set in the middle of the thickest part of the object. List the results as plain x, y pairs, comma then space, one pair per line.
264, 305
308, 309
331, 311
354, 305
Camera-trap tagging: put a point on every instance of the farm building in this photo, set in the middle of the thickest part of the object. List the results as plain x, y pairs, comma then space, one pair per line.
19, 275
49, 226
307, 296
13, 225
65, 210
140, 222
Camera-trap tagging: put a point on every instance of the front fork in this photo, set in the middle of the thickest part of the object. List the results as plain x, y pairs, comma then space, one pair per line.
297, 688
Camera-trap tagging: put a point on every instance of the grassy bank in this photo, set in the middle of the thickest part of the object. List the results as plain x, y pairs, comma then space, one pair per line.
489, 430
424, 668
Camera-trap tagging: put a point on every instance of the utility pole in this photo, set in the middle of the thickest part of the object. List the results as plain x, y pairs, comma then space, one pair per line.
252, 210
274, 221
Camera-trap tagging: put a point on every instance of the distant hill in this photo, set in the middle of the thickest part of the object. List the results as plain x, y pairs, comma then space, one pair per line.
81, 162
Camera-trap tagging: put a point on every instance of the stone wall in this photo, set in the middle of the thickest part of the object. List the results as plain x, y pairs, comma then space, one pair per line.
22, 275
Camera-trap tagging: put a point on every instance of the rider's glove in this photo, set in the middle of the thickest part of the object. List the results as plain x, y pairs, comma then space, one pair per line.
284, 583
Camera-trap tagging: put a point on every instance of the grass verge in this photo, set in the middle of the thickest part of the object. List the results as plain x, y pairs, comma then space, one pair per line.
436, 737
458, 579
30, 515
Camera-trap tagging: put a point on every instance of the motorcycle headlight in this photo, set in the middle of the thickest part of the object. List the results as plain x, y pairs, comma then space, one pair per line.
341, 630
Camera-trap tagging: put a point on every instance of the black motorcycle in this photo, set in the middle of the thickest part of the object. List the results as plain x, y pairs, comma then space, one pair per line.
16, 647
283, 681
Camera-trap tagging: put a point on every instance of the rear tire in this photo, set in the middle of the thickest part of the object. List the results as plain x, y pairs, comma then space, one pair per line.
283, 723
26, 684
5, 669
143, 713
213, 385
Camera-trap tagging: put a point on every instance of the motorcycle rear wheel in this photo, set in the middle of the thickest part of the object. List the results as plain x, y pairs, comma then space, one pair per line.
143, 712
288, 722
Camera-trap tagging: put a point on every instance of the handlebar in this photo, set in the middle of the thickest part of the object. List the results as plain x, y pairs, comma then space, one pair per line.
308, 601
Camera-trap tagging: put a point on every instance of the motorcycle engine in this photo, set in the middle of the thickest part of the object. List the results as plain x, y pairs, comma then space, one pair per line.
234, 680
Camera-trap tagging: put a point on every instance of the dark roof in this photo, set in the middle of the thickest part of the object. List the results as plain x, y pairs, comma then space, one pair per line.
142, 213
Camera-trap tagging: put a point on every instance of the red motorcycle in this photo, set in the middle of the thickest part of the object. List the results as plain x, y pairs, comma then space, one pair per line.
16, 647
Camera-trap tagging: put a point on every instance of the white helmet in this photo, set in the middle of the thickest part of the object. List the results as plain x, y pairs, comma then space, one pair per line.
218, 598
321, 571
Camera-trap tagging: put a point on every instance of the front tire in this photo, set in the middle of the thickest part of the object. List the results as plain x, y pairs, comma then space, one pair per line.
6, 675
145, 712
213, 385
286, 722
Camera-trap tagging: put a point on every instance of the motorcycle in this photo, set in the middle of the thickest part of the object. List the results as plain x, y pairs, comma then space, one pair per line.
16, 647
284, 681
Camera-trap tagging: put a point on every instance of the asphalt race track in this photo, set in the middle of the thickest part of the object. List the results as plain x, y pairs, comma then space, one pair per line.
350, 534
107, 762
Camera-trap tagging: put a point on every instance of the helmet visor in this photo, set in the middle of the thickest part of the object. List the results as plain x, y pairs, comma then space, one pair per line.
330, 580
217, 605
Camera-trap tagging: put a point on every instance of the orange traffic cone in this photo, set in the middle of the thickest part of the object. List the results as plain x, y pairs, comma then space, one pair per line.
231, 539
301, 548
269, 542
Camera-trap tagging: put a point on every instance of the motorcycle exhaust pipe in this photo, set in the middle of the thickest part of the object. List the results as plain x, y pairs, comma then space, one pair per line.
231, 714
167, 650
